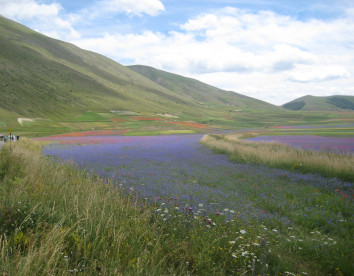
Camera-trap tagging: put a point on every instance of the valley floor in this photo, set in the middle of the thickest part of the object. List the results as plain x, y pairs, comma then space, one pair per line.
171, 206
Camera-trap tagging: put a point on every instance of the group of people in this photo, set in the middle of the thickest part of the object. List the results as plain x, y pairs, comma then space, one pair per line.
10, 137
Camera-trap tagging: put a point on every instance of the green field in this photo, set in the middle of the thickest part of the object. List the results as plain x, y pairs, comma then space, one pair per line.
240, 120
91, 117
161, 132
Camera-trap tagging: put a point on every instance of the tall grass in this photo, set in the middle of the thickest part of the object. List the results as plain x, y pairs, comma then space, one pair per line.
56, 220
282, 156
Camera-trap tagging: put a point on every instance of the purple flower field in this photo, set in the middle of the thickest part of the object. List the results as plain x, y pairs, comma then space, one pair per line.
178, 170
309, 127
311, 142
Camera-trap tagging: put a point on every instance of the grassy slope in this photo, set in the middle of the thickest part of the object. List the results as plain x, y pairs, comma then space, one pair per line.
313, 103
196, 90
46, 77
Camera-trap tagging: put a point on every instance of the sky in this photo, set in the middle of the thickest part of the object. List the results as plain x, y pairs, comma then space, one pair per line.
273, 50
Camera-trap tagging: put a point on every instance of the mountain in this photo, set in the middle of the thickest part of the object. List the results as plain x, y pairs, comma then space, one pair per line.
41, 76
314, 103
50, 86
195, 90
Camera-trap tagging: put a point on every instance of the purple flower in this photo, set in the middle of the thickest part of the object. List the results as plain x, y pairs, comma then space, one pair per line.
182, 169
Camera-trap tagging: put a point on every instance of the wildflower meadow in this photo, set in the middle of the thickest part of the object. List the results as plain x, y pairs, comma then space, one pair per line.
162, 205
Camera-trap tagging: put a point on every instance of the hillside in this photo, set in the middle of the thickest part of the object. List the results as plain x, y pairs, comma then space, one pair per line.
313, 103
41, 76
199, 91
53, 85
49, 87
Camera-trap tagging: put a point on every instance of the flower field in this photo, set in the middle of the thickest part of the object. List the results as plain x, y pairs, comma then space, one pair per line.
295, 223
147, 118
195, 125
177, 166
88, 133
311, 142
314, 127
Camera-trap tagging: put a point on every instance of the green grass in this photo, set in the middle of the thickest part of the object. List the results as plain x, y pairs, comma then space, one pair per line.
91, 117
125, 113
56, 220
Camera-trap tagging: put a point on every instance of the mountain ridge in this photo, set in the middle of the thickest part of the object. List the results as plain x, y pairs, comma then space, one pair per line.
196, 89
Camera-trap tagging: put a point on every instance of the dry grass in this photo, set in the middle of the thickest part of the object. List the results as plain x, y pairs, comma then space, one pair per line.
282, 156
60, 221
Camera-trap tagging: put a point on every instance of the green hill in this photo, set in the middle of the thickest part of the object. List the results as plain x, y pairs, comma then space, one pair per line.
49, 86
199, 91
330, 103
54, 84
41, 76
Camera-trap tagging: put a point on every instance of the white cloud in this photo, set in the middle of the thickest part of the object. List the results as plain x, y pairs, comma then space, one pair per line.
28, 9
316, 73
233, 41
264, 55
45, 18
136, 7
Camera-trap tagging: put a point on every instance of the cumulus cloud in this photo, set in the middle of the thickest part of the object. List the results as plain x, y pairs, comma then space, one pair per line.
137, 7
28, 9
316, 73
45, 18
261, 54
233, 40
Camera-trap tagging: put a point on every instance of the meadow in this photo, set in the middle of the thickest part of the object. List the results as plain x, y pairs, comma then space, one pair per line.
193, 211
98, 198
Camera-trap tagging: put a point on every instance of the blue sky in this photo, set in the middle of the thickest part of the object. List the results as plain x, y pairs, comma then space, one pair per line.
274, 50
